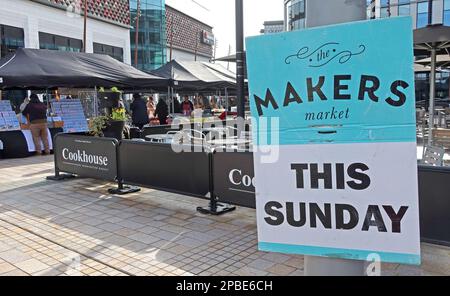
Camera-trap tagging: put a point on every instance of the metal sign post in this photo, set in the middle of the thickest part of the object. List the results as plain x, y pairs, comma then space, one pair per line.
320, 13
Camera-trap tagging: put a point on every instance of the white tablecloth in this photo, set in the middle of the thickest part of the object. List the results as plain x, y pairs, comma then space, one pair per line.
30, 143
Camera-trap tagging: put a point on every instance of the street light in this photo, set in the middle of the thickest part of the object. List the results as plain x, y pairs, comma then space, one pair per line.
85, 25
240, 63
136, 36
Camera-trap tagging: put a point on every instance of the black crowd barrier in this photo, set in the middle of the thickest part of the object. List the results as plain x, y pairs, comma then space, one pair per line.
434, 204
223, 177
158, 166
233, 176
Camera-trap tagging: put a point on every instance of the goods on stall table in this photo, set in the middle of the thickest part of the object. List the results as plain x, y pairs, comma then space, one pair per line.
8, 118
72, 114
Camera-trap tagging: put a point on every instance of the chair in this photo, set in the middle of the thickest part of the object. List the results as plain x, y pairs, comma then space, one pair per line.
433, 156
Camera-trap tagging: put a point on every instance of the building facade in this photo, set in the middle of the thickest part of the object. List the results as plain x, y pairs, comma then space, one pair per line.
59, 25
417, 9
188, 39
299, 14
151, 49
294, 14
271, 27
167, 31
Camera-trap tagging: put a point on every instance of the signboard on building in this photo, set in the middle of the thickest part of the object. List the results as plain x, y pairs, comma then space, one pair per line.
344, 183
208, 37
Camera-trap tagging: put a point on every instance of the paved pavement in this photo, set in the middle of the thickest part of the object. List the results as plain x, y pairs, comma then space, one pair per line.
76, 228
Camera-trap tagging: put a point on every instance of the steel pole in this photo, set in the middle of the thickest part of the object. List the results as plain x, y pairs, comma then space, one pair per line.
337, 11
432, 95
85, 26
240, 62
136, 35
430, 12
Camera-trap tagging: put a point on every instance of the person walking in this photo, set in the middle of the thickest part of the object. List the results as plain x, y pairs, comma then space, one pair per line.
162, 111
36, 112
139, 113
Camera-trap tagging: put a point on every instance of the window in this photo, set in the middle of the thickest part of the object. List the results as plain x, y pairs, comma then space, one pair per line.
422, 14
56, 42
112, 51
446, 12
385, 9
296, 14
11, 38
404, 7
151, 47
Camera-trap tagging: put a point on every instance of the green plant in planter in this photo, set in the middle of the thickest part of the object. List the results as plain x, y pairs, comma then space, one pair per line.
119, 114
97, 125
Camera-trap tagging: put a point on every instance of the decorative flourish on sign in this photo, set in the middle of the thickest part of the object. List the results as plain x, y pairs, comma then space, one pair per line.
324, 54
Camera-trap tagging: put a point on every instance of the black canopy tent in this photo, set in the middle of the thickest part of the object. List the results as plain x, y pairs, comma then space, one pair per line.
49, 69
196, 76
193, 77
432, 40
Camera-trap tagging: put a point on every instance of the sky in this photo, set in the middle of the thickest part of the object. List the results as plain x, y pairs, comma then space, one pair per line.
220, 14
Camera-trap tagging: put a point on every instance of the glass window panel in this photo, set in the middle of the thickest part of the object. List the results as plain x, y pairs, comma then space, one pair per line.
447, 17
404, 10
422, 20
422, 7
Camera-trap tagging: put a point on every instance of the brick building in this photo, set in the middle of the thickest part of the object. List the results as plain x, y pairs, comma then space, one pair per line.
189, 38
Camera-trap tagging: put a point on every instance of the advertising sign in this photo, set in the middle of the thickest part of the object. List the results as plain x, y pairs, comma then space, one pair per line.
208, 38
71, 112
87, 156
344, 183
234, 180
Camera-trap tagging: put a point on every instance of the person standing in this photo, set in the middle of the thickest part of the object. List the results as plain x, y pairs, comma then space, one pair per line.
36, 112
162, 111
150, 108
187, 107
139, 113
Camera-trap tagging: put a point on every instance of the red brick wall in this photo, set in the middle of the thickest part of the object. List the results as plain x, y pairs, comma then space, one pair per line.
187, 32
117, 11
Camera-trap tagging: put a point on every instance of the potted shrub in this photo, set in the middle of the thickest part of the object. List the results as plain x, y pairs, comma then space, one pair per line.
115, 124
109, 126
97, 125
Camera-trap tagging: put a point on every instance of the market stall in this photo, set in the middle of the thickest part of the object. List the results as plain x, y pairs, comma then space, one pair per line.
44, 71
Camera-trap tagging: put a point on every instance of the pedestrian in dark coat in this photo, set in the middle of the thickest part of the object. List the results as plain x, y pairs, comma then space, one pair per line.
139, 113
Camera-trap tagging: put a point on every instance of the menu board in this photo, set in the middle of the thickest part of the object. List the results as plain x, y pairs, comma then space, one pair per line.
71, 112
8, 118
5, 106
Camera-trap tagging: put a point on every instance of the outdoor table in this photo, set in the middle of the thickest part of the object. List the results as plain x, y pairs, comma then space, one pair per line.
221, 130
164, 138
230, 143
19, 143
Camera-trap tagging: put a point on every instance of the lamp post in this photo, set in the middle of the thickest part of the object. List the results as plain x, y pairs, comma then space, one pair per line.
318, 15
430, 12
136, 35
240, 63
85, 25
171, 38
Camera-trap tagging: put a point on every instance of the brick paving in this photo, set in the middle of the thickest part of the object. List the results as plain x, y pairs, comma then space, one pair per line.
76, 228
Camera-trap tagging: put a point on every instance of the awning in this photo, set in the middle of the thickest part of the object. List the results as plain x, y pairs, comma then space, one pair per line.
49, 69
436, 36
441, 61
201, 76
432, 40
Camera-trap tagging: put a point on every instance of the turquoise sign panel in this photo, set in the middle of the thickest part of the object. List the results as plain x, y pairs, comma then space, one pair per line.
337, 84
